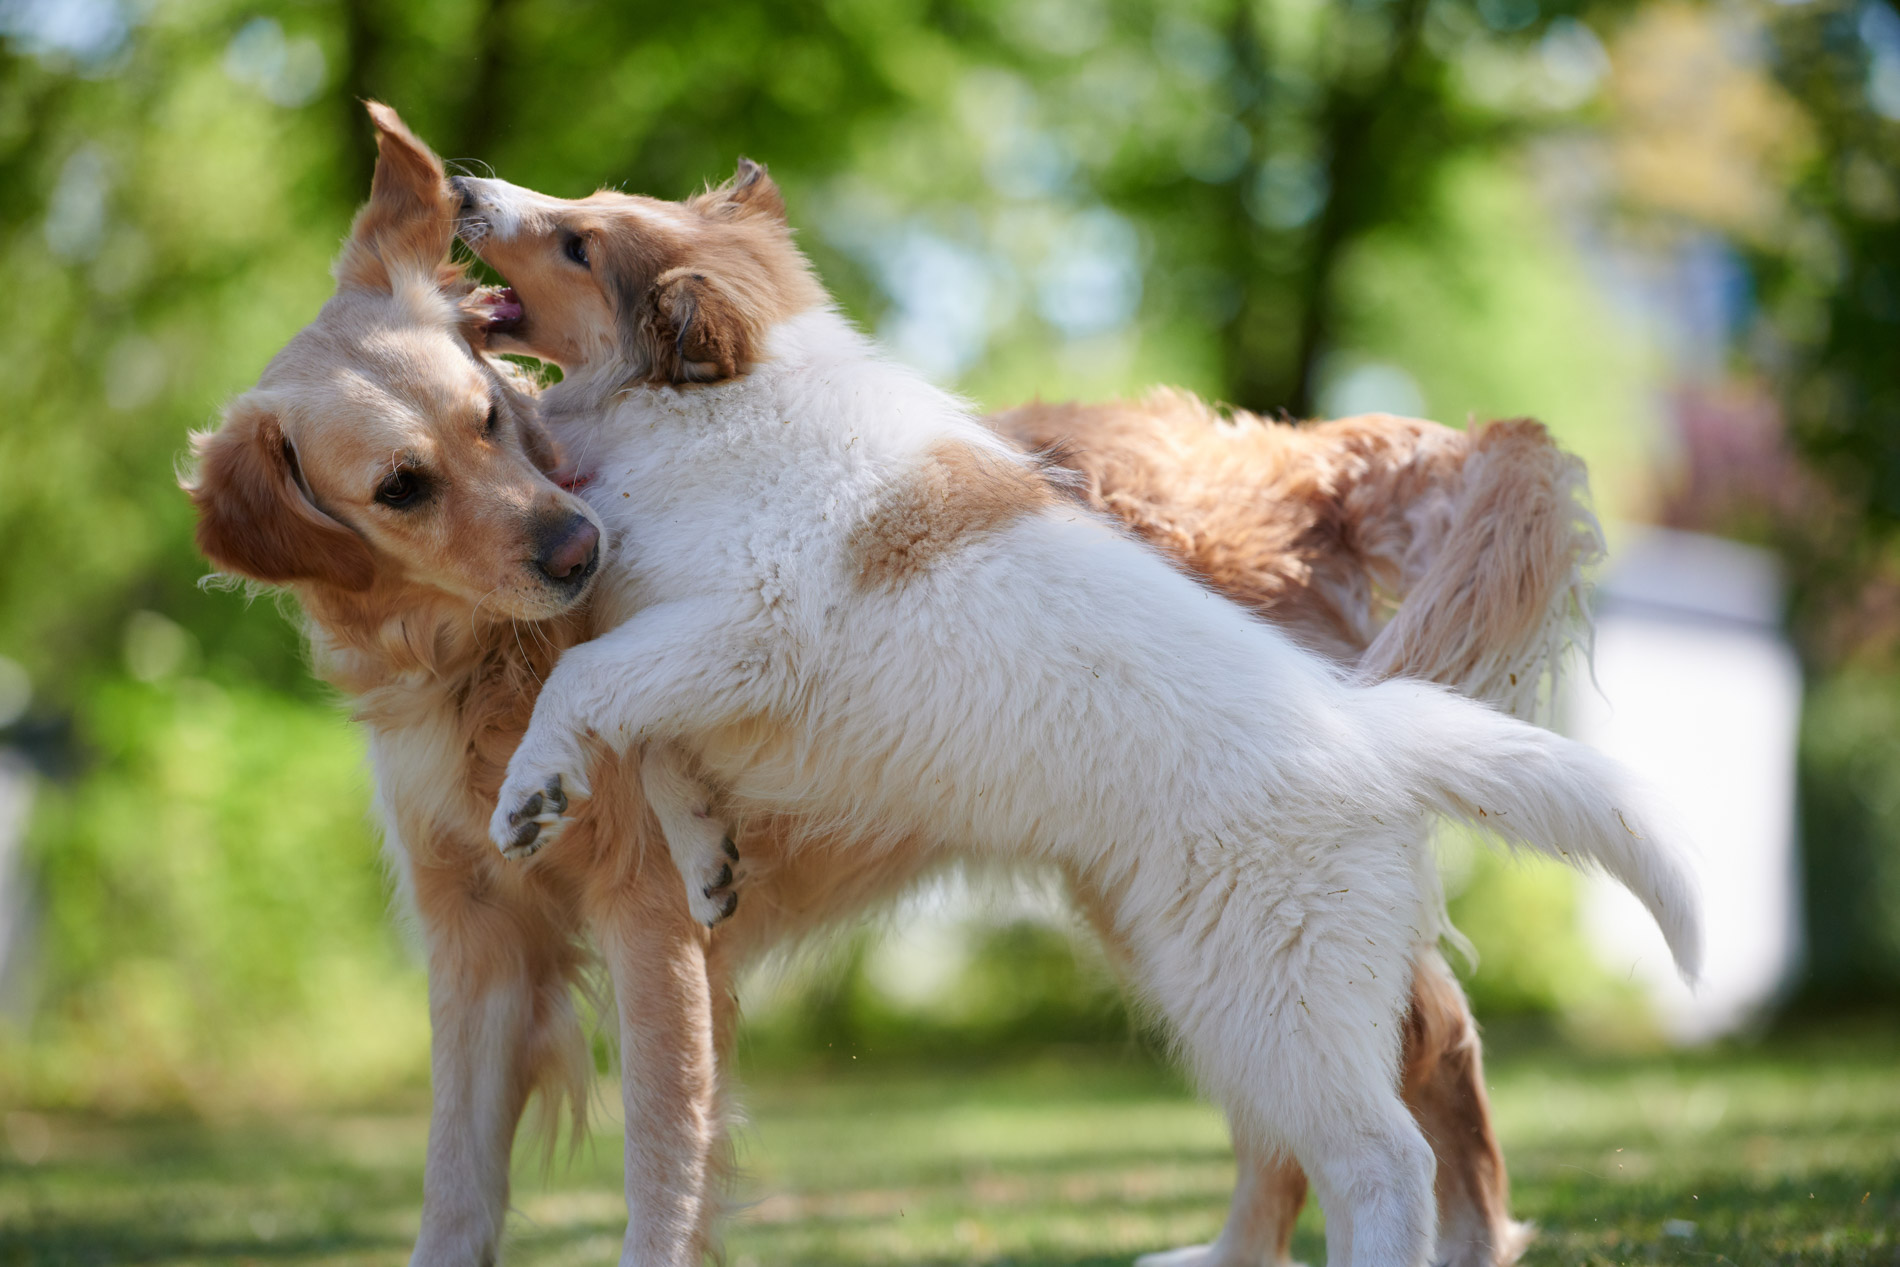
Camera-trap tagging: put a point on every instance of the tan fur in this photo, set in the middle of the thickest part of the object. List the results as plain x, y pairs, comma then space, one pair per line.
400, 229
1491, 588
957, 495
1264, 513
1302, 525
612, 874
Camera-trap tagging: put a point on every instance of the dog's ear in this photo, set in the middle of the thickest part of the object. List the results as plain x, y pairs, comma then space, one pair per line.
254, 517
750, 194
409, 221
690, 330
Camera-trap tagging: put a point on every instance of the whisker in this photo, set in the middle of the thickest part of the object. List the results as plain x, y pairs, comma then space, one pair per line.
541, 636
527, 661
477, 610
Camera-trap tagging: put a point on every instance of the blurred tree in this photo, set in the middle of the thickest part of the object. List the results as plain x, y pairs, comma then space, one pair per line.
1833, 327
1835, 282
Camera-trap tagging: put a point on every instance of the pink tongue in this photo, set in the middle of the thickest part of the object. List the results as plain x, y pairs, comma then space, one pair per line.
504, 310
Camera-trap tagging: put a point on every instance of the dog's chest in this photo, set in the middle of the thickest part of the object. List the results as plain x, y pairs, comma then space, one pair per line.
740, 509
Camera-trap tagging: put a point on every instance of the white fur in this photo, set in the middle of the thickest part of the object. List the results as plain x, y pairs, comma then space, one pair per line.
1055, 690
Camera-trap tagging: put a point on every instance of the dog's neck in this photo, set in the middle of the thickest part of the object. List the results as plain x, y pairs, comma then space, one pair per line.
403, 656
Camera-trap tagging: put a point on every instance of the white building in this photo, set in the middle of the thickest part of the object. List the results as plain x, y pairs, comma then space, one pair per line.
1701, 693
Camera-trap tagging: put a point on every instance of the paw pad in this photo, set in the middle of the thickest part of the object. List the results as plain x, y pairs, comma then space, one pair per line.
537, 821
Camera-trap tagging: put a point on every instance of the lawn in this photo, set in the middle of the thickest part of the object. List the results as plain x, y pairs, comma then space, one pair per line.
1784, 1153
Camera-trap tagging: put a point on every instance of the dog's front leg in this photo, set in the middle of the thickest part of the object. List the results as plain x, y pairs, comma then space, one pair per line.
472, 1121
668, 1070
502, 1024
673, 669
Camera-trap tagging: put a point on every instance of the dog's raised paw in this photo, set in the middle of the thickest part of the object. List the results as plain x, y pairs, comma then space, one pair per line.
535, 823
714, 895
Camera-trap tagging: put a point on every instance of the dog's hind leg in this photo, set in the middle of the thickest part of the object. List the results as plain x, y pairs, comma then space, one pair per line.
1444, 1087
501, 1011
1284, 971
1269, 1189
1372, 1170
1269, 1186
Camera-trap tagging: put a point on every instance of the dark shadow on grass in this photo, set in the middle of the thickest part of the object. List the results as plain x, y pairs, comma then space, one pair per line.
1836, 1218
51, 1242
974, 1168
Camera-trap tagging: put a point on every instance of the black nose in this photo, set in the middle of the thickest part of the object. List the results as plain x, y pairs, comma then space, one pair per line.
460, 186
570, 549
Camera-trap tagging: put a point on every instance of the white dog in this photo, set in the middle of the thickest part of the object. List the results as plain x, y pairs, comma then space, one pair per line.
842, 594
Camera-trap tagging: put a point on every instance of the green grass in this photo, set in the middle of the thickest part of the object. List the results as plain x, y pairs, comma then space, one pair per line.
1786, 1153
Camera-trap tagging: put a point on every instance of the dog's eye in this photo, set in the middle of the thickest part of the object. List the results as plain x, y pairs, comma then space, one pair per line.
577, 250
494, 419
402, 489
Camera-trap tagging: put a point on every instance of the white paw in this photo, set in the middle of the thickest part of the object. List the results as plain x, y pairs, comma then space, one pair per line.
544, 783
1186, 1256
1198, 1256
711, 891
701, 847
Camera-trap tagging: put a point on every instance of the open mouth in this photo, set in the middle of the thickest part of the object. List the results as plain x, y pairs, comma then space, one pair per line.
501, 307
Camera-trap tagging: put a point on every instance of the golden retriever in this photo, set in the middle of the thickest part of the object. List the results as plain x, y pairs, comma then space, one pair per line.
440, 627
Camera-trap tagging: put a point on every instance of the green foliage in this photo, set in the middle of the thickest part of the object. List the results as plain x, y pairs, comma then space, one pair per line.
1850, 798
1120, 193
1836, 277
213, 913
1019, 985
1520, 917
1474, 301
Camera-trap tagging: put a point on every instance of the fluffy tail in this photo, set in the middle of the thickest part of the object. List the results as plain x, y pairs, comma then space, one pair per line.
1541, 791
1492, 584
